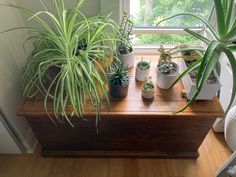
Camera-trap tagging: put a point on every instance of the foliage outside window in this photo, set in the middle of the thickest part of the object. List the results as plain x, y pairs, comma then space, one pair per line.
146, 13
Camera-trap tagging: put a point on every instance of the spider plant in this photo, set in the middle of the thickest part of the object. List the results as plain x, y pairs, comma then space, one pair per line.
69, 60
221, 41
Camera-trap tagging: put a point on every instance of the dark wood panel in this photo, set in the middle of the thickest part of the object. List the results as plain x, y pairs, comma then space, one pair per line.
170, 135
131, 127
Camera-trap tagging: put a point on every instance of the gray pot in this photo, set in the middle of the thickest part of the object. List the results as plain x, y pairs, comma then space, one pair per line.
164, 81
118, 91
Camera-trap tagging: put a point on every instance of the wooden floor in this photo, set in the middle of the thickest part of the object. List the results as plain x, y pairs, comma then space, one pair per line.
213, 153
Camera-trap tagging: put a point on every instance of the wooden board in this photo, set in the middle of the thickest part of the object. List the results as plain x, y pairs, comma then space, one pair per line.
131, 127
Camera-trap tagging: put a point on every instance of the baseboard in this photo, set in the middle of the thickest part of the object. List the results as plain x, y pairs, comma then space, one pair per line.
30, 142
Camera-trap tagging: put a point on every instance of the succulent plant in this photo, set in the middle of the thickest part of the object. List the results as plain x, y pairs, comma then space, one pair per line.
123, 40
148, 85
165, 64
118, 74
143, 65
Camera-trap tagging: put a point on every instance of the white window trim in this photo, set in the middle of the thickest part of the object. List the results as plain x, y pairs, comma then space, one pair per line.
147, 30
125, 7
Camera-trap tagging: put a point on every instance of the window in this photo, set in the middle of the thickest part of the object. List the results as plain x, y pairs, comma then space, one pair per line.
146, 13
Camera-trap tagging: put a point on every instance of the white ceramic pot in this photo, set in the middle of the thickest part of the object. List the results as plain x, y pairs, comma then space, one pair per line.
128, 59
208, 91
141, 75
230, 128
164, 81
148, 95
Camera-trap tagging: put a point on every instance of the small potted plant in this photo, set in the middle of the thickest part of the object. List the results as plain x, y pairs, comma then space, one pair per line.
124, 48
209, 88
167, 70
118, 77
148, 89
142, 70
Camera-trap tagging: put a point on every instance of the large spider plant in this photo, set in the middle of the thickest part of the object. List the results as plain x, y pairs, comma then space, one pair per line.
69, 61
222, 42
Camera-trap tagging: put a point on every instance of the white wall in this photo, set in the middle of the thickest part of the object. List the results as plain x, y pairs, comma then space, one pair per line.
108, 6
90, 7
12, 58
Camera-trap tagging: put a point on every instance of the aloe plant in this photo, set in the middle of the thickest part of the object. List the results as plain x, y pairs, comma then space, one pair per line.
221, 42
69, 60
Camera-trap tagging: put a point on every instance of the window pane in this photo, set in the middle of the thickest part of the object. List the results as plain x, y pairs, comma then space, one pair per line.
154, 39
148, 12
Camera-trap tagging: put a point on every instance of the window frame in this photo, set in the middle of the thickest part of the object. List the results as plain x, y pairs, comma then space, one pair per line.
125, 7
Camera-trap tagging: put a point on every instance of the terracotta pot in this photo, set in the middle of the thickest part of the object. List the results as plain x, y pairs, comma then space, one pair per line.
118, 91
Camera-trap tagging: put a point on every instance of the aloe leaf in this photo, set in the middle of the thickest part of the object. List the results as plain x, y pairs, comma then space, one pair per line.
220, 16
232, 61
206, 58
232, 47
208, 24
186, 71
201, 82
198, 36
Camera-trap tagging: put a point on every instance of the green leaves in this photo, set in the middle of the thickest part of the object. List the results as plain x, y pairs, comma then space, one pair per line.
221, 18
118, 74
68, 62
221, 42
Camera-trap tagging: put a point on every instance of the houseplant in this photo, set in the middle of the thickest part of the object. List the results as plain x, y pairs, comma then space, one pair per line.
124, 47
210, 87
220, 41
148, 89
167, 70
68, 63
118, 77
142, 70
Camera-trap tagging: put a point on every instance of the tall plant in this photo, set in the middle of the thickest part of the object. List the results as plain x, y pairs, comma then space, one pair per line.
69, 60
221, 42
124, 43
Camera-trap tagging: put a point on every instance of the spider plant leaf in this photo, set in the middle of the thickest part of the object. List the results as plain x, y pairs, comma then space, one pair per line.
21, 28
79, 3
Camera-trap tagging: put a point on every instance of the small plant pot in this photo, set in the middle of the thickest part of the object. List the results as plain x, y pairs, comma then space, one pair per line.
128, 59
141, 75
208, 91
118, 91
149, 95
164, 81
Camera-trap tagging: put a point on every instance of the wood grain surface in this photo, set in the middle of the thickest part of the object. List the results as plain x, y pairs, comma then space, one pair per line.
213, 153
131, 127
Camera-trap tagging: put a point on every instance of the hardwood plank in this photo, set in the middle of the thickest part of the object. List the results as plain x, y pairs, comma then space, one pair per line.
37, 166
